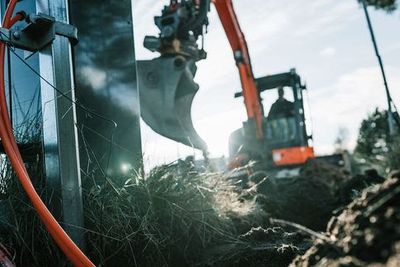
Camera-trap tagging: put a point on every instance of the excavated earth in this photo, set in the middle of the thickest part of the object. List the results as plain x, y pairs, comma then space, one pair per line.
311, 197
366, 233
308, 199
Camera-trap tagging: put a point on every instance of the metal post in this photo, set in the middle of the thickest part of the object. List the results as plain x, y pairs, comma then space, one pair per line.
61, 156
389, 98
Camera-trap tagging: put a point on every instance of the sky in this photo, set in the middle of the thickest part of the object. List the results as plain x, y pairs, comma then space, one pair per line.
328, 43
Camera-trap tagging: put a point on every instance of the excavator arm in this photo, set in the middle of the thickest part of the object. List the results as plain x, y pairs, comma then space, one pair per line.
238, 43
167, 88
166, 83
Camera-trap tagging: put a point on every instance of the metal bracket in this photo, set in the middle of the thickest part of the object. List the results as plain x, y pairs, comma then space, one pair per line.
40, 31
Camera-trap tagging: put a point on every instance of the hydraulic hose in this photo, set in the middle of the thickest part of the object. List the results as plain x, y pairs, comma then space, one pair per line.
64, 242
16, 18
3, 102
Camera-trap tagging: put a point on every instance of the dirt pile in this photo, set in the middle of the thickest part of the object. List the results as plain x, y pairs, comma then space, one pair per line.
354, 187
366, 233
308, 199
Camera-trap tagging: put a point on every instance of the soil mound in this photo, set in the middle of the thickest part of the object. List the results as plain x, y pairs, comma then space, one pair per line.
354, 187
366, 233
307, 199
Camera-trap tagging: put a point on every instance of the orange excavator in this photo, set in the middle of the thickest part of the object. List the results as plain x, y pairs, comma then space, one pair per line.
167, 89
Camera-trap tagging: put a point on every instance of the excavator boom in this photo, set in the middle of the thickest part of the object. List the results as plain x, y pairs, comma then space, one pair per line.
238, 43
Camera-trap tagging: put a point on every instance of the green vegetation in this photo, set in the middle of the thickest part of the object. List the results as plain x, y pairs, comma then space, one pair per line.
387, 5
375, 146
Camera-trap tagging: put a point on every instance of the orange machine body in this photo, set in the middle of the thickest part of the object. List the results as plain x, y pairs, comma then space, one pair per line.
292, 155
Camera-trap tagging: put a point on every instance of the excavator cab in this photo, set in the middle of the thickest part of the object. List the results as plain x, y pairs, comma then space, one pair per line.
281, 119
286, 140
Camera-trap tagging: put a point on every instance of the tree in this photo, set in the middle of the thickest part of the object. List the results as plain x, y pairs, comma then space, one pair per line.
341, 140
387, 5
374, 144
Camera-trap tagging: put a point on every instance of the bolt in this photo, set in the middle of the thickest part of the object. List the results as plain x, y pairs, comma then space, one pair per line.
16, 35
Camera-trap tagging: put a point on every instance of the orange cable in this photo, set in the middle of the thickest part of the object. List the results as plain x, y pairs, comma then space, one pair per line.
16, 18
69, 248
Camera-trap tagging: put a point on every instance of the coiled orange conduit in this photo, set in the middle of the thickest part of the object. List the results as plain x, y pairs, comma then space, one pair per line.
64, 242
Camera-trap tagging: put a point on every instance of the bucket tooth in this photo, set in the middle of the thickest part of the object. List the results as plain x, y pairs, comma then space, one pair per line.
167, 89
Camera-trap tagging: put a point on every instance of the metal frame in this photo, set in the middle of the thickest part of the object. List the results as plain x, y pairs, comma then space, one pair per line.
38, 33
60, 136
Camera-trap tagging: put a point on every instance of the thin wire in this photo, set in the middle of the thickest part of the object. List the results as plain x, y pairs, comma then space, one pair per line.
13, 48
114, 123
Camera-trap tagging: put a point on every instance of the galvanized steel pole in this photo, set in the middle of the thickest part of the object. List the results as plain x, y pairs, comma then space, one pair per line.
60, 135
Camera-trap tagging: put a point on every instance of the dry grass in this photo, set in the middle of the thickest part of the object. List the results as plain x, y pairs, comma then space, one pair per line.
168, 218
164, 219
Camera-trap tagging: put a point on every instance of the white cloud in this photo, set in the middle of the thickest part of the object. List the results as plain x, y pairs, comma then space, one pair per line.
347, 102
394, 47
327, 17
328, 52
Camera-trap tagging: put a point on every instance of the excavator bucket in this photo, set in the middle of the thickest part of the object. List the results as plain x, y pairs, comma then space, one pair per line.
167, 89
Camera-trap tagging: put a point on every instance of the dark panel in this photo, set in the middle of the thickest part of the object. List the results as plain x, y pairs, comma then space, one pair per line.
105, 76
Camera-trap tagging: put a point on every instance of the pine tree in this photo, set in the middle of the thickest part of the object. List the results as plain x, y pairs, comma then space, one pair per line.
387, 5
375, 145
